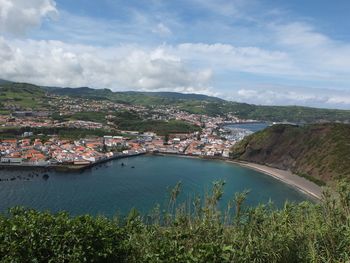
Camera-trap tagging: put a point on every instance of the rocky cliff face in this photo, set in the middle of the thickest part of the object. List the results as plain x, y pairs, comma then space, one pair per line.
318, 151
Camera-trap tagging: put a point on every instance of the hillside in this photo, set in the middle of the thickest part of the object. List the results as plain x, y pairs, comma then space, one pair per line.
28, 96
320, 152
22, 96
106, 93
202, 104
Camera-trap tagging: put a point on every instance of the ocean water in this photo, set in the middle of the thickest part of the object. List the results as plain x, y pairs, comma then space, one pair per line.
254, 127
142, 182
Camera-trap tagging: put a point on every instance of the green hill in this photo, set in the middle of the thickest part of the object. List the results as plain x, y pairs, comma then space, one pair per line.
22, 96
202, 104
81, 92
106, 93
320, 152
28, 96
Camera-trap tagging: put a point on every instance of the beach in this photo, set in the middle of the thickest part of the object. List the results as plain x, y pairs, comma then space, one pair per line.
287, 177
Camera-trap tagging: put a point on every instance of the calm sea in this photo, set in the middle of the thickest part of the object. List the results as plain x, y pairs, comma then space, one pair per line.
141, 183
254, 127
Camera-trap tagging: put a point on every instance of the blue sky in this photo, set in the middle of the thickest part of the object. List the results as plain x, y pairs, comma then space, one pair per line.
264, 52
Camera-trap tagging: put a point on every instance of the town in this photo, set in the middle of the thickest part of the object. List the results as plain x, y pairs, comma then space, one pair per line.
87, 151
28, 149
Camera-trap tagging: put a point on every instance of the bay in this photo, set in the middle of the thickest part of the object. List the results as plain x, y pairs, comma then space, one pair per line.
142, 182
250, 126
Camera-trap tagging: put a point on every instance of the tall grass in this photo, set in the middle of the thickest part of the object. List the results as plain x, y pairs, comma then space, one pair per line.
194, 231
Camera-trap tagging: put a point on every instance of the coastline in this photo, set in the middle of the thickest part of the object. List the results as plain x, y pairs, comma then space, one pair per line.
298, 182
66, 167
301, 184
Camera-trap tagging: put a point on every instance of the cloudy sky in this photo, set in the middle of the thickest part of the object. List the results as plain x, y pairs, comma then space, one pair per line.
257, 51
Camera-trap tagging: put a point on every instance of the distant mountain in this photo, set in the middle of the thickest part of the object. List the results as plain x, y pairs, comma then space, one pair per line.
83, 92
320, 152
193, 103
106, 93
179, 96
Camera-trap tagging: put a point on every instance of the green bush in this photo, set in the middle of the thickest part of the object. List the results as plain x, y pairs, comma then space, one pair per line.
195, 232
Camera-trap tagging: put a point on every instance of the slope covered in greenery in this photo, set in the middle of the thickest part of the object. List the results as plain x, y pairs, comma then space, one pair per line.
317, 151
130, 97
31, 96
304, 232
202, 104
130, 121
22, 95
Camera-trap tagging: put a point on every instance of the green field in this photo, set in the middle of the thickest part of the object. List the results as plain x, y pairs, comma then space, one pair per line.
133, 122
23, 96
83, 116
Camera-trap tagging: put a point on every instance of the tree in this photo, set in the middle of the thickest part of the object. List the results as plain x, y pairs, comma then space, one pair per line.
166, 138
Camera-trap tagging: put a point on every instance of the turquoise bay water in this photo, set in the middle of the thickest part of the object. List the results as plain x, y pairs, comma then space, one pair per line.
112, 188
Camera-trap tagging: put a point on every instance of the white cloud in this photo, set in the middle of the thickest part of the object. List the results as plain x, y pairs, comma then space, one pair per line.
18, 16
240, 59
162, 30
253, 47
313, 52
231, 8
300, 35
288, 95
122, 67
128, 67
5, 50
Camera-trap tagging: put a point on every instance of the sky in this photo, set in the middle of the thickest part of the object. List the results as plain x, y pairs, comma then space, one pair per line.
269, 52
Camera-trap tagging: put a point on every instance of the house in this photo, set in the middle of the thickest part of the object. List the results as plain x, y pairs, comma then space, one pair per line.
149, 134
226, 153
27, 134
9, 141
176, 140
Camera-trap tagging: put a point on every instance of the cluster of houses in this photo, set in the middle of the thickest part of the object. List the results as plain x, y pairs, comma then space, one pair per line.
87, 151
56, 151
209, 142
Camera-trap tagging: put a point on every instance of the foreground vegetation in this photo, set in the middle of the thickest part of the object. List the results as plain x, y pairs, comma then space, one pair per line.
194, 232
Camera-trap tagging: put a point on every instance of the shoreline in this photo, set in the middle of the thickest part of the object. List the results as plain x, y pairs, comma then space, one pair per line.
301, 184
65, 167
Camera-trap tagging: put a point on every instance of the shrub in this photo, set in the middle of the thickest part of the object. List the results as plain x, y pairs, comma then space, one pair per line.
192, 232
